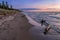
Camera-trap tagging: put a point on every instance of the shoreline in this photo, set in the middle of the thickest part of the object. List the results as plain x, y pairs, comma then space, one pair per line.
22, 27
33, 22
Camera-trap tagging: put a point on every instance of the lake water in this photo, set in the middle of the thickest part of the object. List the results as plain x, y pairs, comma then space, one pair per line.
53, 18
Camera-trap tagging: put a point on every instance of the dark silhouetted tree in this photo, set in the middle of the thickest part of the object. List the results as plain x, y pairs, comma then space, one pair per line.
3, 5
7, 6
0, 5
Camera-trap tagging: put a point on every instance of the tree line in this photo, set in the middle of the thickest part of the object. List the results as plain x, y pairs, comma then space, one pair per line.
5, 5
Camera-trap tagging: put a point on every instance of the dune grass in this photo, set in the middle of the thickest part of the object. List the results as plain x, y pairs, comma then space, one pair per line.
8, 12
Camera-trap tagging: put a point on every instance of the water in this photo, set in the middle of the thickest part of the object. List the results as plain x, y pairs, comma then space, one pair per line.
53, 18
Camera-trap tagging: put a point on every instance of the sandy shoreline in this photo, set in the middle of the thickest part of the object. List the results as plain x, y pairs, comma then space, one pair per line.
18, 27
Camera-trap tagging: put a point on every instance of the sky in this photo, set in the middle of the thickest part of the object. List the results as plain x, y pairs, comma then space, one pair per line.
35, 5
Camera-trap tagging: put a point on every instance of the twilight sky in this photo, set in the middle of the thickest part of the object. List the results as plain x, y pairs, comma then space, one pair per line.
43, 5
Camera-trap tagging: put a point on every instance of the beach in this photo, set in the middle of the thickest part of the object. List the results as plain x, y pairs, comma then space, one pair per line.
23, 27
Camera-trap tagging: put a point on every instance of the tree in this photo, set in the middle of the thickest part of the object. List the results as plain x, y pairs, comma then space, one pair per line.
0, 5
7, 7
3, 5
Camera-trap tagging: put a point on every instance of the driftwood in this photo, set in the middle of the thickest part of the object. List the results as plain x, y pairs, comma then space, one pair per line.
49, 26
47, 29
43, 22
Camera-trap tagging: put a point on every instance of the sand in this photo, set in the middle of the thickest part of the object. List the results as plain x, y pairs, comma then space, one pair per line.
15, 27
19, 27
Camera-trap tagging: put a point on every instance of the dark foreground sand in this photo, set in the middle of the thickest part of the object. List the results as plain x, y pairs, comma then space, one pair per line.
15, 29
